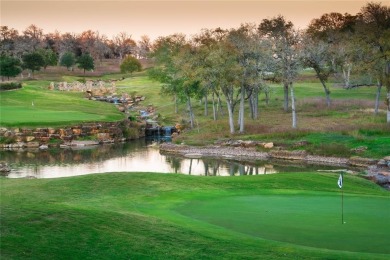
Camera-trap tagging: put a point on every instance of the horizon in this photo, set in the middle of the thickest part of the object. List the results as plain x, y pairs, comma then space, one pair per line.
161, 18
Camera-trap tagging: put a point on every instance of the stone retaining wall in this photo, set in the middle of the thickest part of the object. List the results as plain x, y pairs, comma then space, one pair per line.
251, 153
45, 137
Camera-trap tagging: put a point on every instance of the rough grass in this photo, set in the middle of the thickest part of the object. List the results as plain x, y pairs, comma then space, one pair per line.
134, 215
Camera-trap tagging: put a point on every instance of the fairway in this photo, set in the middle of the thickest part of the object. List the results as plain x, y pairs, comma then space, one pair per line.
14, 115
305, 219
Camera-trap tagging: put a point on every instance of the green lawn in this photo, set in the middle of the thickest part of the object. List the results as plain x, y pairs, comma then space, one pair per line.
35, 105
167, 216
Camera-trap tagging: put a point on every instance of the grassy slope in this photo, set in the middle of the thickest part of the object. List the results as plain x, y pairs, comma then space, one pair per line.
134, 215
35, 105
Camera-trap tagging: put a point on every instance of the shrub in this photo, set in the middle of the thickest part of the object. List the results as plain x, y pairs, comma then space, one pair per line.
10, 86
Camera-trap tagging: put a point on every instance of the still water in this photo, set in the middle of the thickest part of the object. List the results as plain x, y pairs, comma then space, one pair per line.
135, 156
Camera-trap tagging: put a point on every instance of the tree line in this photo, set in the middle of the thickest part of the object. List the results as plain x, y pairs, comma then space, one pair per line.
32, 49
236, 65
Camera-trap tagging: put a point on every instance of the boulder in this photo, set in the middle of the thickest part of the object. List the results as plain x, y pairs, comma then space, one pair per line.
30, 138
43, 147
76, 131
268, 145
51, 131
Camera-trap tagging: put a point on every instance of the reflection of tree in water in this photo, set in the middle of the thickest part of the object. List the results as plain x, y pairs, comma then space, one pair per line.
57, 156
175, 162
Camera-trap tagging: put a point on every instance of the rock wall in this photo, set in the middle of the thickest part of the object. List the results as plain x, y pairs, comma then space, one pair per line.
86, 134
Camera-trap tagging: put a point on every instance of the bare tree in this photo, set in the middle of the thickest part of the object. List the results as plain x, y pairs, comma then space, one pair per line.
144, 47
124, 44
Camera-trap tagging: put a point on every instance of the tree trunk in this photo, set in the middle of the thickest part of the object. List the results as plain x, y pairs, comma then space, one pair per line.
253, 104
255, 97
327, 93
377, 98
347, 74
176, 106
285, 106
266, 92
206, 110
242, 110
220, 106
214, 108
294, 115
191, 114
388, 106
231, 116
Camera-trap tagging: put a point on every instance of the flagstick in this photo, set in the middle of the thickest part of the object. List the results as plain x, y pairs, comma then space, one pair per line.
342, 200
342, 206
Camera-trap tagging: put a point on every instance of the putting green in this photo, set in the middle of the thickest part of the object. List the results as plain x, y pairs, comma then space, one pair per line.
304, 219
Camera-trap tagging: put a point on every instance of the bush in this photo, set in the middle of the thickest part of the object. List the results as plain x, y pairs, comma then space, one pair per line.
10, 86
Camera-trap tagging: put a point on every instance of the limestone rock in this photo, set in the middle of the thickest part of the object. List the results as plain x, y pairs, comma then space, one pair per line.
268, 145
30, 138
43, 147
32, 145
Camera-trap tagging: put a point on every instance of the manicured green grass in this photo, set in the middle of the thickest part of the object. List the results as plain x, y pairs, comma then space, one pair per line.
35, 105
300, 218
167, 216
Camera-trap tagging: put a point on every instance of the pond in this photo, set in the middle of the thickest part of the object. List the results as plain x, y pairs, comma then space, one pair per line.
136, 156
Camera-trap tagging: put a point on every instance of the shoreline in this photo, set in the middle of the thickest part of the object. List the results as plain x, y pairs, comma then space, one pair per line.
376, 170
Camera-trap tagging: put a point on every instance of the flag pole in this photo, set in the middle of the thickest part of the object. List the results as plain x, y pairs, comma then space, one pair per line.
342, 201
340, 184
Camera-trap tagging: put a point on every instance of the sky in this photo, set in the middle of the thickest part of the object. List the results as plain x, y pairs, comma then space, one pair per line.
162, 18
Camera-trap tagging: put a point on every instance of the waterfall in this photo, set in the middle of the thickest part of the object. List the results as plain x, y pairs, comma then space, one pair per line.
168, 130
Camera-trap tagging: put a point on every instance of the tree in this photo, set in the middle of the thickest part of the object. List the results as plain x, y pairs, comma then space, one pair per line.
279, 31
85, 62
67, 60
373, 32
285, 41
315, 54
326, 47
33, 61
68, 43
223, 58
123, 45
252, 57
9, 66
186, 62
165, 71
7, 39
49, 57
144, 47
34, 36
130, 65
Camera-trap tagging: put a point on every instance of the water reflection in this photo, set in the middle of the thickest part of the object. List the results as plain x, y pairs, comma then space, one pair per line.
136, 156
